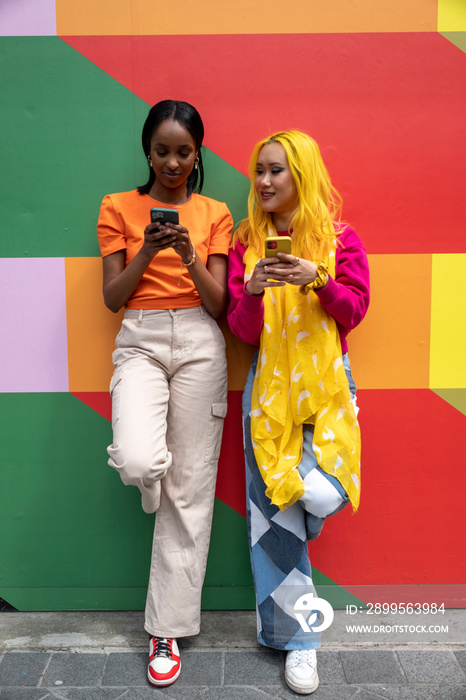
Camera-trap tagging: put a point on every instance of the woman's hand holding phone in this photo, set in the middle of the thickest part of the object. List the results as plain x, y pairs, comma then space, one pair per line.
263, 274
157, 237
261, 277
293, 270
164, 231
278, 271
181, 242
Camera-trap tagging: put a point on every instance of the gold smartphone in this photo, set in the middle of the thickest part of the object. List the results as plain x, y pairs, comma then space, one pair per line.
277, 244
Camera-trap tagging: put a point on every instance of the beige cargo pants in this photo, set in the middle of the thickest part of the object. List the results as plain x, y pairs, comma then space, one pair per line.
169, 392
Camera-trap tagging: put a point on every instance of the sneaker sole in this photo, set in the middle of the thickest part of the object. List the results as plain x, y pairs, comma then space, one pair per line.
161, 684
300, 690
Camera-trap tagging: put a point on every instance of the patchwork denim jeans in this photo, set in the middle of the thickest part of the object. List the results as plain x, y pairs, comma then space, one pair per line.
278, 539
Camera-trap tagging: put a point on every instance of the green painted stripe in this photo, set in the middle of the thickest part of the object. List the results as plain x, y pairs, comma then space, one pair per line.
456, 38
71, 134
455, 397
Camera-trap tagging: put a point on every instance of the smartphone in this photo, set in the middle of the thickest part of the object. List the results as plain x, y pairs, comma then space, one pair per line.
163, 216
277, 244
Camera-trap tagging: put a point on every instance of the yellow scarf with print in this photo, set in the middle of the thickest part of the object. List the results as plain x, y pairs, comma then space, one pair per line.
300, 378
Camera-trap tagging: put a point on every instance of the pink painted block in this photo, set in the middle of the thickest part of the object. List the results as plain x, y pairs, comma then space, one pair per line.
28, 18
33, 341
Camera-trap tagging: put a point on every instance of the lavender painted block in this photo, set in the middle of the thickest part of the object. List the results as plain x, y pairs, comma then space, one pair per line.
33, 341
28, 18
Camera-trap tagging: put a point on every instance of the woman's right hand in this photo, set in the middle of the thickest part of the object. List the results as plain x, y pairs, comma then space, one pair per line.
260, 278
156, 238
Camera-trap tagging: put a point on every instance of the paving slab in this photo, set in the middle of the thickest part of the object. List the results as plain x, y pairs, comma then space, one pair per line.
461, 657
91, 694
231, 693
201, 668
254, 668
330, 668
431, 667
362, 667
125, 670
23, 669
339, 692
75, 669
413, 692
25, 694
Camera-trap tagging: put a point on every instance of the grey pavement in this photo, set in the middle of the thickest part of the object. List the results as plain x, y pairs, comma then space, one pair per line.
103, 655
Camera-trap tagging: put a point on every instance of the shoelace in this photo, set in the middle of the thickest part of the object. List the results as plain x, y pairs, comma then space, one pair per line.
162, 647
301, 656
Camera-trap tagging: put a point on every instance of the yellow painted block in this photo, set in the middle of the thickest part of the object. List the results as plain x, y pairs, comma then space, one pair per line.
91, 327
157, 17
390, 349
448, 328
451, 16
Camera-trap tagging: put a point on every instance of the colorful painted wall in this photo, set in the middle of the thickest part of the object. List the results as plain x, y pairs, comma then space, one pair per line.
381, 85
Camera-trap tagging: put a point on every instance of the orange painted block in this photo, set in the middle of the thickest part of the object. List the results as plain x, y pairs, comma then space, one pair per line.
391, 348
149, 17
89, 18
91, 327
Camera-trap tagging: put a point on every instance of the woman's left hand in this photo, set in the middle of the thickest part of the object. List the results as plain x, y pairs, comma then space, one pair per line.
293, 270
182, 243
210, 280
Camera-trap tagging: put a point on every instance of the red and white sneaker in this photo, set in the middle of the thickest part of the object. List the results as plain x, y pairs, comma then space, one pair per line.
164, 661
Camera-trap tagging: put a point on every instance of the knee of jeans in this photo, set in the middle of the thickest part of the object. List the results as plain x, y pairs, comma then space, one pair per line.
136, 465
322, 506
321, 498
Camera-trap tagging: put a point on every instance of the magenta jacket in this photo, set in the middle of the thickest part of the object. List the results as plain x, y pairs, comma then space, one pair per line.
346, 297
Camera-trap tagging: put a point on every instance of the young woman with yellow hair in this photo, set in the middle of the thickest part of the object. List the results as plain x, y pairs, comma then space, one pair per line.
301, 434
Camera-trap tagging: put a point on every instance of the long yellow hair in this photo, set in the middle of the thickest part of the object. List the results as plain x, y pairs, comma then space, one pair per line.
319, 204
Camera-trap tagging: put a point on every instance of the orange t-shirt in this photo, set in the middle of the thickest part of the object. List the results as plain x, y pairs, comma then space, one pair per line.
166, 284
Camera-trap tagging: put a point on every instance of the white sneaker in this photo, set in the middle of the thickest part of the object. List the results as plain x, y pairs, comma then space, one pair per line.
301, 671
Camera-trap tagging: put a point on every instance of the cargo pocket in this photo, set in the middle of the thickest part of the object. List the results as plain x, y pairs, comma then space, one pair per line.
214, 437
